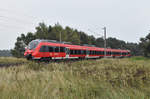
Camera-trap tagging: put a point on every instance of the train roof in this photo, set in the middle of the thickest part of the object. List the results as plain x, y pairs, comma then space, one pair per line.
84, 47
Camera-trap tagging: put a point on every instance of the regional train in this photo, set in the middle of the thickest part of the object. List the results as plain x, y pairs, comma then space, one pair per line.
53, 50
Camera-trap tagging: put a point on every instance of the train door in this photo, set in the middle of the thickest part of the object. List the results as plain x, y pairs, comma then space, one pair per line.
67, 52
87, 53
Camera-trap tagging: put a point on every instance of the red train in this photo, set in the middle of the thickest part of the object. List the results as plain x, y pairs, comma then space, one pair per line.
50, 49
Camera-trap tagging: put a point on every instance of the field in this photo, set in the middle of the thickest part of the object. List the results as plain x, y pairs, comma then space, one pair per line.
127, 78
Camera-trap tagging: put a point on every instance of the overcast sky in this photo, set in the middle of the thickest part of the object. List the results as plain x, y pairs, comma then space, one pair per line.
125, 19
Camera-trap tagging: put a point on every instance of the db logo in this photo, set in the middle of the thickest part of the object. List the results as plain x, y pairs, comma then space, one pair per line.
50, 54
56, 54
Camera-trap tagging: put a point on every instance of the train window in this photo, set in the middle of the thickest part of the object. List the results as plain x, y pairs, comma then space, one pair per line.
79, 51
56, 49
71, 51
44, 49
99, 52
109, 53
84, 52
75, 51
87, 52
51, 49
62, 49
33, 44
102, 52
94, 52
90, 52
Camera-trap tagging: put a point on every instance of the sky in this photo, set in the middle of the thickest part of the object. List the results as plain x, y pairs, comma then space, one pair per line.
127, 20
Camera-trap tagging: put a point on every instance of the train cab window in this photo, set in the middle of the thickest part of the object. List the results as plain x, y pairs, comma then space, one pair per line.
44, 49
33, 44
56, 49
62, 49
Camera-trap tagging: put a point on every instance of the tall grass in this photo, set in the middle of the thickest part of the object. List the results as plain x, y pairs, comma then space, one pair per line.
88, 79
12, 60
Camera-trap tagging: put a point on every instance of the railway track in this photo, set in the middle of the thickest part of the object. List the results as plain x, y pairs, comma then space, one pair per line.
41, 62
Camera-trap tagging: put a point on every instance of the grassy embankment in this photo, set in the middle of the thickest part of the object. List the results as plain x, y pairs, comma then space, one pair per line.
88, 79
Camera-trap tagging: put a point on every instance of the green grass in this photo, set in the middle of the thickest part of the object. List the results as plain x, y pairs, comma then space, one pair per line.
137, 58
11, 60
88, 79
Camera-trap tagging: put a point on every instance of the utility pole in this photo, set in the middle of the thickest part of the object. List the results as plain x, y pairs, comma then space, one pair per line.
60, 37
104, 41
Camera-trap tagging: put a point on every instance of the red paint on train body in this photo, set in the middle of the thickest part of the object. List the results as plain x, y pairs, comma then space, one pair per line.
38, 49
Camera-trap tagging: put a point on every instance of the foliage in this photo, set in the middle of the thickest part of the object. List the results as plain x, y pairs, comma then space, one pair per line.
21, 43
94, 79
8, 61
69, 35
145, 45
5, 53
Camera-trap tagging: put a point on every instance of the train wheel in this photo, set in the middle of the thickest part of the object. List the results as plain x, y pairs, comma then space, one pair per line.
29, 57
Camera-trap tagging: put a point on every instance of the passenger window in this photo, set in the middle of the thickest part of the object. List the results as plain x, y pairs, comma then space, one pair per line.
44, 49
71, 51
51, 49
56, 49
62, 49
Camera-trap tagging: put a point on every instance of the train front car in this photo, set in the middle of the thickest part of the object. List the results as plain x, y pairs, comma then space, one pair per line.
31, 49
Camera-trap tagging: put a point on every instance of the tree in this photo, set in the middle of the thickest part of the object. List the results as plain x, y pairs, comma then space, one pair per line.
18, 51
75, 37
145, 45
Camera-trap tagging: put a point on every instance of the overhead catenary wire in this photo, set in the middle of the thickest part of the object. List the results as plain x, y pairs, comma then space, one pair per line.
19, 18
6, 18
8, 23
18, 13
95, 33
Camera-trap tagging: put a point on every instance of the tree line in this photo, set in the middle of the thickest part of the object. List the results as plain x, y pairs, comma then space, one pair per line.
5, 53
70, 35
